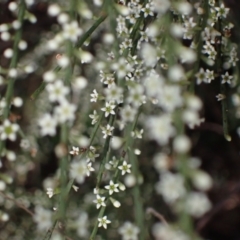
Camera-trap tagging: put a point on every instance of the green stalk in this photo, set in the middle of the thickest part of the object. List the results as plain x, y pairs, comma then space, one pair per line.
202, 22
100, 215
91, 30
222, 86
105, 153
13, 64
96, 127
64, 132
138, 204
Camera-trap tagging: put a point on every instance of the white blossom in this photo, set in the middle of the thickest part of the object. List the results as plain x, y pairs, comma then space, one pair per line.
103, 222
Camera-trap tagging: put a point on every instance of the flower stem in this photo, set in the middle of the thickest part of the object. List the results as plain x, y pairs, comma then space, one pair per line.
13, 64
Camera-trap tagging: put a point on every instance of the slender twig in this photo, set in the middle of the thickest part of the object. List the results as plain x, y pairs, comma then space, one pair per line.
50, 232
157, 215
17, 204
91, 30
219, 64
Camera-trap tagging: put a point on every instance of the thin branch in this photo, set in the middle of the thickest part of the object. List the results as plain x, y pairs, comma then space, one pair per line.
17, 204
157, 215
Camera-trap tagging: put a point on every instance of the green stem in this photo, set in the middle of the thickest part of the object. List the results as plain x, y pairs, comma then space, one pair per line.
105, 154
42, 86
138, 204
64, 173
100, 215
202, 22
91, 30
64, 163
222, 86
50, 231
96, 129
13, 64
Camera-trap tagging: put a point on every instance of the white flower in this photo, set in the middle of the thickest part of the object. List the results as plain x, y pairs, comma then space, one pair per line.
149, 54
128, 113
161, 6
114, 162
63, 18
54, 10
220, 97
136, 95
194, 103
153, 84
129, 231
190, 117
226, 78
82, 223
115, 203
112, 187
171, 186
108, 109
50, 192
99, 201
176, 29
89, 169
94, 96
43, 218
116, 142
161, 162
17, 102
197, 204
130, 180
114, 93
201, 76
148, 10
184, 7
209, 75
12, 6
176, 73
107, 131
170, 98
57, 91
137, 133
12, 72
8, 130
103, 222
201, 180
222, 11
181, 144
47, 124
91, 155
71, 31
65, 112
94, 117
78, 170
160, 128
122, 67
125, 168
63, 61
74, 151
86, 57
8, 53
79, 83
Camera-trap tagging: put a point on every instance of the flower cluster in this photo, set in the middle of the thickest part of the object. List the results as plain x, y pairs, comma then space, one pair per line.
114, 115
